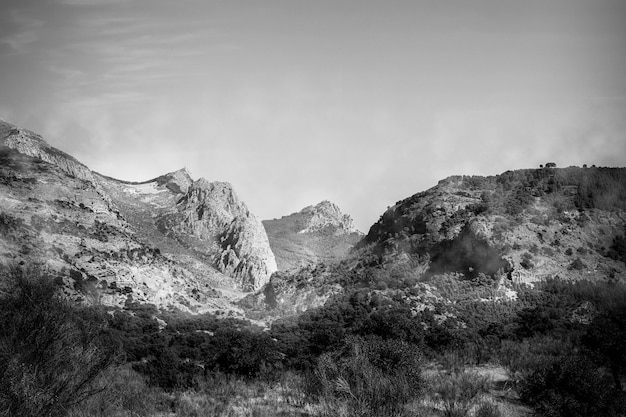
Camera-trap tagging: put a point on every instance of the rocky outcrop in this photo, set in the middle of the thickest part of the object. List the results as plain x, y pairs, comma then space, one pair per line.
326, 215
177, 182
214, 213
29, 143
320, 233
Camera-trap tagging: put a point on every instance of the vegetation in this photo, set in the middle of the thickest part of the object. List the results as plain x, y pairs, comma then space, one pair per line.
367, 353
51, 354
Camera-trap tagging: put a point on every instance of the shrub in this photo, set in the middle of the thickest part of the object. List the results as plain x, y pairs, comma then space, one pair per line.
488, 410
126, 393
571, 386
577, 265
51, 356
458, 391
527, 262
369, 377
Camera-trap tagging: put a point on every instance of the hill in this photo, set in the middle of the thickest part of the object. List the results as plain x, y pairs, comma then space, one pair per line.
527, 224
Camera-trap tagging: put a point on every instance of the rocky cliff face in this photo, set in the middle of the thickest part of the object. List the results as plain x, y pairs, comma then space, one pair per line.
170, 241
213, 212
320, 233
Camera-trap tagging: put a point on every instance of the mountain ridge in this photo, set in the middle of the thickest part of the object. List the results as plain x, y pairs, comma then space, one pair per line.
148, 241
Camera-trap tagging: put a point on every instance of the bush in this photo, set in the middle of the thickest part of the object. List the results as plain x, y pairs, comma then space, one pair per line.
458, 391
488, 410
577, 264
571, 386
126, 393
369, 377
51, 356
527, 262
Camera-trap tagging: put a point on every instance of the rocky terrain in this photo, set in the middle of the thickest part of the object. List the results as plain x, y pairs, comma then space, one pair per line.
170, 241
192, 244
526, 225
320, 233
518, 227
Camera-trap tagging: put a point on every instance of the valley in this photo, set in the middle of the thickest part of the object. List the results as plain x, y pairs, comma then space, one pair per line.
481, 296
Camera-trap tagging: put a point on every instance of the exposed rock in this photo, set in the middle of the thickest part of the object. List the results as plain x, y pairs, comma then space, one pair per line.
32, 144
320, 233
213, 212
160, 241
327, 214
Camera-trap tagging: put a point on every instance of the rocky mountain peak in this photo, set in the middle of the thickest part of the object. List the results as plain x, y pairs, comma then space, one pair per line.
212, 211
326, 214
320, 233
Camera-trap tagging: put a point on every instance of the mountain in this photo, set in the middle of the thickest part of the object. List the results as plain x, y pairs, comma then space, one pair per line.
528, 225
170, 241
320, 233
494, 232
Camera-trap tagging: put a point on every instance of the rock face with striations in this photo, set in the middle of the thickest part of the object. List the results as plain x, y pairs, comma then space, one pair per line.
320, 233
213, 212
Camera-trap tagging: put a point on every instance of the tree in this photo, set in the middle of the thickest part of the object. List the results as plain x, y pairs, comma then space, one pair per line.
50, 356
606, 337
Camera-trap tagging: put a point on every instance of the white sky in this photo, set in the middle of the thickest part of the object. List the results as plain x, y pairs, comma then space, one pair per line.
360, 102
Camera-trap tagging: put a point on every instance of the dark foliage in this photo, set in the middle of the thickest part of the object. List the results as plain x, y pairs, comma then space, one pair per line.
52, 353
571, 387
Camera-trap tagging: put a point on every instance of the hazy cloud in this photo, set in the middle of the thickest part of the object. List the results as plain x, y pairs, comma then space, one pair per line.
26, 31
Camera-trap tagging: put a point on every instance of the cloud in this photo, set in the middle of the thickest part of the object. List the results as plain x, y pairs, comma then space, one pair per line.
90, 2
26, 33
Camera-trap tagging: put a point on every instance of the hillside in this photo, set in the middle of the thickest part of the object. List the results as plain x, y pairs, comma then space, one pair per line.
518, 227
170, 241
320, 233
528, 224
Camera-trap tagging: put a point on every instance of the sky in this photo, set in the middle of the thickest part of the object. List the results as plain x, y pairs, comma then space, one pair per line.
360, 102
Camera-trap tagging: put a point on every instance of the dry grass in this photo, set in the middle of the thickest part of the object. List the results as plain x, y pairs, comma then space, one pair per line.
127, 395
